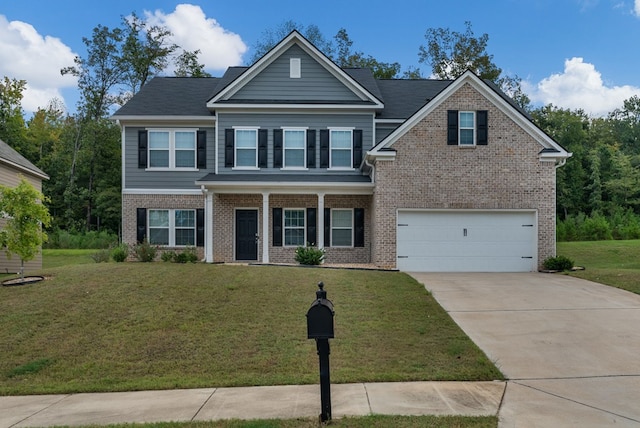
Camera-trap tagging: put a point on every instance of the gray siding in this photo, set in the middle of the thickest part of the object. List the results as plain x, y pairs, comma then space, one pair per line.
383, 130
315, 83
276, 121
139, 178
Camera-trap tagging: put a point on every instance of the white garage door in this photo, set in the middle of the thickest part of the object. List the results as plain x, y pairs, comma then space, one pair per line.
466, 241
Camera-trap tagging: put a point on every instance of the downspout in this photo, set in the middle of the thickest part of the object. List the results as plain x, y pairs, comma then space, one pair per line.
373, 170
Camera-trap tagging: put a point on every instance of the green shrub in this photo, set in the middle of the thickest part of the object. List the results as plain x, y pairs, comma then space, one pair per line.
101, 256
168, 256
188, 255
64, 239
145, 252
309, 255
559, 263
596, 228
120, 253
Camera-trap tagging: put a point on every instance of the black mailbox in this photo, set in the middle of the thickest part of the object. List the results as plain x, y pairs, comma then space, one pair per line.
320, 317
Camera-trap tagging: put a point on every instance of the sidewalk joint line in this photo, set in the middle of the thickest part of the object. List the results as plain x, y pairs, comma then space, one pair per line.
366, 392
64, 397
204, 404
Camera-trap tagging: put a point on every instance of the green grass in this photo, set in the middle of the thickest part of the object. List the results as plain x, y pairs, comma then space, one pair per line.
56, 258
374, 421
137, 326
615, 263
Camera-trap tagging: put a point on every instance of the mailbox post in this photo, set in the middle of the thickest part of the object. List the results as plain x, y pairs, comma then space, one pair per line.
320, 328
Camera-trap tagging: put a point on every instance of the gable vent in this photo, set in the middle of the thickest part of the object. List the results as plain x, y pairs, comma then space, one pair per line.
294, 68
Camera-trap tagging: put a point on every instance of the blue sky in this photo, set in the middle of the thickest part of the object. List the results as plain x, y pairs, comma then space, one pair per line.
571, 53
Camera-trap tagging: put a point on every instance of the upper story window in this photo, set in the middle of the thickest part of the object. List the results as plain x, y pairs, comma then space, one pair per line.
246, 147
172, 149
467, 128
172, 227
341, 148
294, 142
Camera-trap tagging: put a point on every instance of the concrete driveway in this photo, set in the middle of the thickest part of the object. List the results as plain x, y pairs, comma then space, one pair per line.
570, 348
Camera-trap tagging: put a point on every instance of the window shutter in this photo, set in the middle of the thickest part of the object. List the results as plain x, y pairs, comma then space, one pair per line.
229, 136
142, 149
277, 148
357, 148
311, 148
482, 132
202, 149
141, 224
327, 227
312, 220
276, 218
200, 227
324, 148
452, 127
358, 225
263, 137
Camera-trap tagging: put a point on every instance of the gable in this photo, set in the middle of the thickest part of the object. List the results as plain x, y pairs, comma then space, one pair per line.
315, 83
471, 94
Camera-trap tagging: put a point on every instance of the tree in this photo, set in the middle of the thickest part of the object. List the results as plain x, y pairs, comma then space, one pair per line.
451, 53
271, 36
187, 65
347, 58
25, 215
11, 114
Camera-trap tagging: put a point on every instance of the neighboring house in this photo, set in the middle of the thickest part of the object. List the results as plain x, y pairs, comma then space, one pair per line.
423, 175
14, 166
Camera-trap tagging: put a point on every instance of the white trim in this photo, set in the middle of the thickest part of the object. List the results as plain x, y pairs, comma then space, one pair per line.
141, 121
331, 149
473, 128
208, 226
217, 143
179, 192
265, 227
381, 121
243, 107
320, 221
284, 148
284, 227
331, 227
235, 147
172, 226
172, 148
289, 188
24, 169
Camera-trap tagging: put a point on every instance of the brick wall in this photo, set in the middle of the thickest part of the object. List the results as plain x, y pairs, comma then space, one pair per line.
427, 173
130, 203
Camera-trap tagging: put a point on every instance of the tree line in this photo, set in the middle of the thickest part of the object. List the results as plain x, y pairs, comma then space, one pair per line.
82, 155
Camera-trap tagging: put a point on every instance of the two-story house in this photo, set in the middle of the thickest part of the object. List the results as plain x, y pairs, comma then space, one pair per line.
422, 175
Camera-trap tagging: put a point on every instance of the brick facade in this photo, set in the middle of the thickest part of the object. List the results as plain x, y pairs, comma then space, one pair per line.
429, 174
130, 204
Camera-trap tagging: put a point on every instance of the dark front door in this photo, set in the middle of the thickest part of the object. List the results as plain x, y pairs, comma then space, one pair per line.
246, 234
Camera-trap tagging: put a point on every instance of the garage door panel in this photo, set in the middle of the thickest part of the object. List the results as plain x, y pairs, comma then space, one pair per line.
466, 241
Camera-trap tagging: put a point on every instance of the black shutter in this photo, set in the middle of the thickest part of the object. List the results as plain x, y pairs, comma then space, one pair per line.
324, 148
277, 148
142, 149
311, 148
141, 224
357, 148
482, 130
229, 136
358, 224
276, 218
202, 149
452, 127
327, 227
312, 231
263, 136
200, 227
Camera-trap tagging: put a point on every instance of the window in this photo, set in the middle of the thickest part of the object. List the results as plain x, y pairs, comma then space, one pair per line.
294, 148
341, 228
172, 227
294, 227
340, 148
467, 128
246, 146
172, 149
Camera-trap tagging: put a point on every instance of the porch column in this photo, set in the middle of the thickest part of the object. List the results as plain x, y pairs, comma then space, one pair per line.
265, 227
208, 227
320, 220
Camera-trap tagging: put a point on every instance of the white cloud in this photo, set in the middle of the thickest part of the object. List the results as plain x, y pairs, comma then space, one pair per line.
636, 7
192, 30
580, 86
26, 55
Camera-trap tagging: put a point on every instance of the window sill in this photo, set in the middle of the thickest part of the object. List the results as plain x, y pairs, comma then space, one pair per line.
294, 168
467, 146
341, 168
245, 168
172, 169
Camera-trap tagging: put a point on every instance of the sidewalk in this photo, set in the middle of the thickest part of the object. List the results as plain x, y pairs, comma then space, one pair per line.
261, 402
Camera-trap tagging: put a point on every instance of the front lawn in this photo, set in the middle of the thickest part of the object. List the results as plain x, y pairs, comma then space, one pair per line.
136, 326
615, 263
